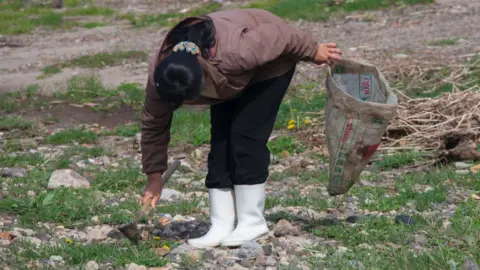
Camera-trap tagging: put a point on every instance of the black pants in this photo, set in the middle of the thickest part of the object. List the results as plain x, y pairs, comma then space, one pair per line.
240, 129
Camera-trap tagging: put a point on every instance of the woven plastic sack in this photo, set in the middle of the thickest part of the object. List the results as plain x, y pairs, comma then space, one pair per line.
360, 105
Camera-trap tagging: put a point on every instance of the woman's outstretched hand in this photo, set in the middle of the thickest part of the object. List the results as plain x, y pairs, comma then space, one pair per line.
153, 189
327, 52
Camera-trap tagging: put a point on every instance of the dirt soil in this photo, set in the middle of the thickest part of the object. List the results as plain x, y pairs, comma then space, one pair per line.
392, 39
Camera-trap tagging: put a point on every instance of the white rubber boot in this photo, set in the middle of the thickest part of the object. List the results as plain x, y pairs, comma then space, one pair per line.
250, 204
222, 217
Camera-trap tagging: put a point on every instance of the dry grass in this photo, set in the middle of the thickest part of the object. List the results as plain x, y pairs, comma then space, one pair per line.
441, 123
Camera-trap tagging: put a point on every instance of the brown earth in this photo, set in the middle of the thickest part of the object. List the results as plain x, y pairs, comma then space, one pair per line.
396, 39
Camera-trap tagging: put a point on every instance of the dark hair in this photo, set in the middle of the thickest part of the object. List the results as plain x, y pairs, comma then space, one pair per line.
179, 76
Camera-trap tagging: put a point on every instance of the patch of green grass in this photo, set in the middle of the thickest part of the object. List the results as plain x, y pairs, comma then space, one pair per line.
383, 199
397, 160
132, 94
49, 71
303, 176
67, 136
12, 146
444, 42
320, 10
91, 25
168, 19
86, 152
128, 130
21, 160
119, 180
285, 143
190, 127
77, 254
57, 206
89, 89
12, 101
440, 256
98, 60
374, 230
12, 123
89, 11
298, 104
17, 18
294, 198
35, 180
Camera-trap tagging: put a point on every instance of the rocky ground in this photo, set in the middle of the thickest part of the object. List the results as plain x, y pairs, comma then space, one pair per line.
70, 162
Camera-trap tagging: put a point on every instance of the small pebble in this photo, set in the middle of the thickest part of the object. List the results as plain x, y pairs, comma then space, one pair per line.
404, 219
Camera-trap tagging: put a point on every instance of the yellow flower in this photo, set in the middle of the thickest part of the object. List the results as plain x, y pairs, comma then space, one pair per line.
68, 240
291, 122
156, 238
166, 247
292, 126
307, 121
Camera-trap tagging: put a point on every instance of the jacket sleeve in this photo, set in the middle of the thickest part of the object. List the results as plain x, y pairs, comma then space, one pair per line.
267, 41
156, 122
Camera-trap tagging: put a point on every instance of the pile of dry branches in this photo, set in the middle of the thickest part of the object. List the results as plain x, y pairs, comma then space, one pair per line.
449, 124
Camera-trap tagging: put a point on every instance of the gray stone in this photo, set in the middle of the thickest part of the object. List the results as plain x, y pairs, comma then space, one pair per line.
470, 265
184, 250
356, 264
134, 266
462, 165
171, 194
209, 255
23, 232
400, 56
182, 180
420, 239
462, 172
265, 261
92, 265
244, 263
283, 228
197, 185
14, 172
229, 262
98, 234
31, 193
365, 183
56, 258
250, 250
4, 242
67, 178
236, 266
267, 249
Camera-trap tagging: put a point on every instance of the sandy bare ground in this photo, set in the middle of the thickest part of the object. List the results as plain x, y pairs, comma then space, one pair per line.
387, 38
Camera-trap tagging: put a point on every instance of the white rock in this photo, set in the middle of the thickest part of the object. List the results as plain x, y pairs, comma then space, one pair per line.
400, 56
134, 266
182, 181
98, 234
462, 165
56, 258
92, 265
67, 178
23, 232
4, 242
462, 171
31, 193
170, 194
32, 240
